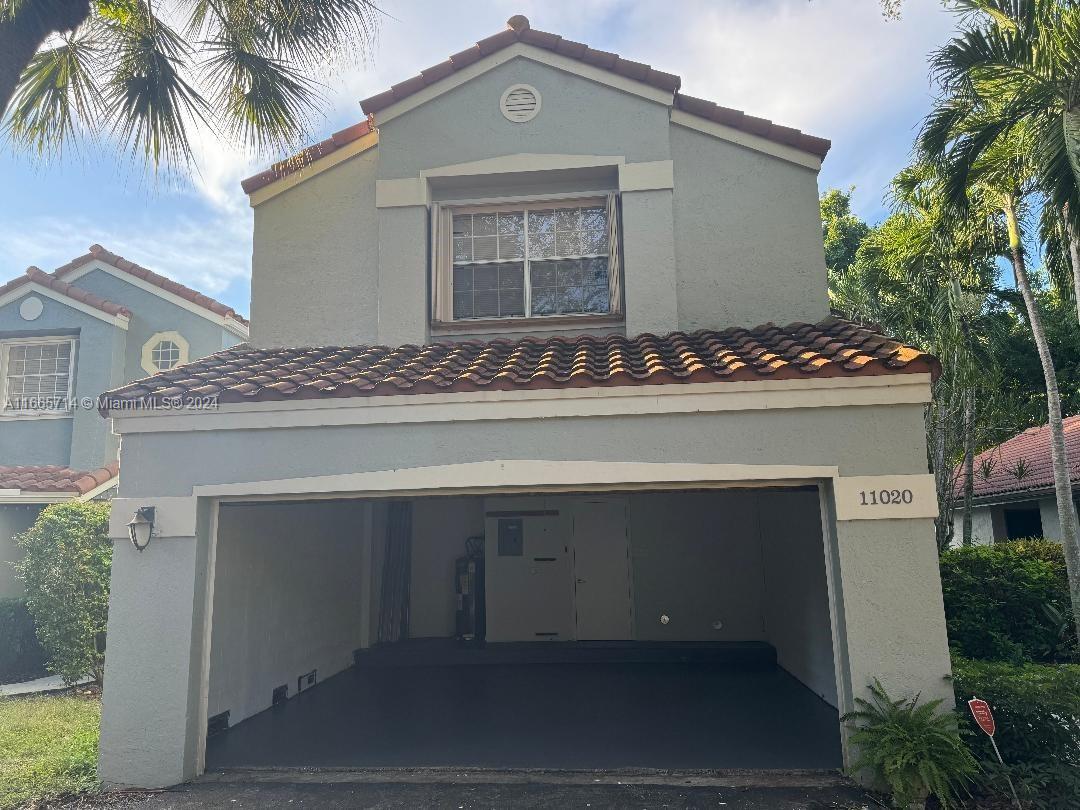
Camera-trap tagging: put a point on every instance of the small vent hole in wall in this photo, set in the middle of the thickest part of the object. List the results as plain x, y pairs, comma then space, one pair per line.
520, 103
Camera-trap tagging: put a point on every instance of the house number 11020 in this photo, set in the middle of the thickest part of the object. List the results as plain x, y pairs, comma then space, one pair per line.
883, 497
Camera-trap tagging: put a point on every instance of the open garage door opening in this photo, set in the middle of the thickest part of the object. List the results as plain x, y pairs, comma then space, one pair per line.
661, 629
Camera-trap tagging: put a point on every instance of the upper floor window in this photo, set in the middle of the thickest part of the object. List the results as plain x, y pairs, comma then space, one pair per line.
163, 351
526, 260
36, 375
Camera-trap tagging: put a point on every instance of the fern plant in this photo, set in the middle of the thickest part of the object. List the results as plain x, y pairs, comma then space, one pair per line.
914, 748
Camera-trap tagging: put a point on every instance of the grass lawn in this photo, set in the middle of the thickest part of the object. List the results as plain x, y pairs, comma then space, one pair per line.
48, 745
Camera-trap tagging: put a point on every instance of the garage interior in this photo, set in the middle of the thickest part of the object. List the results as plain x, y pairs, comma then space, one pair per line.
651, 629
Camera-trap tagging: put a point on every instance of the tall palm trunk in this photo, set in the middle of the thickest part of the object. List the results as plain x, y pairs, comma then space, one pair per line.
937, 419
969, 460
1070, 120
1062, 485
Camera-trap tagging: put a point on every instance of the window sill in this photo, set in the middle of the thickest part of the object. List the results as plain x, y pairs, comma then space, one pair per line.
547, 323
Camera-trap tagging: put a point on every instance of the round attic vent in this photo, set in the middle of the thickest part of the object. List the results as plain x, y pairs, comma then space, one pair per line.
520, 103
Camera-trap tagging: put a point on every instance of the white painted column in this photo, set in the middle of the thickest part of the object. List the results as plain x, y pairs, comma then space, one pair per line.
648, 229
885, 591
152, 726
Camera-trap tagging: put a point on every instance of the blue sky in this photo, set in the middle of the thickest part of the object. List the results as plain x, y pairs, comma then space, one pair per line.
834, 68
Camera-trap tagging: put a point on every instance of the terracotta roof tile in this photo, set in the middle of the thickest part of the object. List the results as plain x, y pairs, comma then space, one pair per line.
297, 162
50, 478
831, 348
1023, 463
39, 276
149, 276
518, 30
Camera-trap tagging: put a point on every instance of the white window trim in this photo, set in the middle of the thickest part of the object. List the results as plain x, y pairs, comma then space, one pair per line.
147, 361
539, 203
16, 413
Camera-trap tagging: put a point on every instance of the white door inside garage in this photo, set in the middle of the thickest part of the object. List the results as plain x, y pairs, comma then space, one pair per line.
558, 569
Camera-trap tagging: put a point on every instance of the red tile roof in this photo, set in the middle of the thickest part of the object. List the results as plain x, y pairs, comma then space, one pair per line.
149, 276
519, 30
312, 153
1023, 463
832, 348
51, 478
34, 274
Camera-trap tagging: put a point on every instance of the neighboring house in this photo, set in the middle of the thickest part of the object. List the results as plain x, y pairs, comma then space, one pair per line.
65, 337
1014, 487
523, 318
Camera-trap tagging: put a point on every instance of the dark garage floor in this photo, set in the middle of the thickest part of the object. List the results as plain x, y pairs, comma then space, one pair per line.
559, 716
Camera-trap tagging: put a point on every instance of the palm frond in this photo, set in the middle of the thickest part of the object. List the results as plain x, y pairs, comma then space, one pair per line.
261, 100
58, 90
149, 98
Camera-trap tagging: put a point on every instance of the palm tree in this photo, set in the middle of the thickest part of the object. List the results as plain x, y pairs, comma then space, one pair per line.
1004, 180
1017, 63
925, 277
150, 73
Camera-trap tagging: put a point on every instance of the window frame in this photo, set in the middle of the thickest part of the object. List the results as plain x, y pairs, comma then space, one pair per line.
524, 206
6, 344
146, 361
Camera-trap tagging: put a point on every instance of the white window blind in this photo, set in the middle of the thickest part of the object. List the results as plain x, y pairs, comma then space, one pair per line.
36, 375
534, 260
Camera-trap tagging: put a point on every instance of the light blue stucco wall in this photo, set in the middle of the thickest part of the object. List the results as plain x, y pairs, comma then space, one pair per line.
81, 440
151, 314
106, 356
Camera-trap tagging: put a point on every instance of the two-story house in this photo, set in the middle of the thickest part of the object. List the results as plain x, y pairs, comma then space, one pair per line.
541, 357
65, 337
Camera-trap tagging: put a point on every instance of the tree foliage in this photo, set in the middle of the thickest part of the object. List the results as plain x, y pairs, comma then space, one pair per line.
151, 74
842, 231
66, 574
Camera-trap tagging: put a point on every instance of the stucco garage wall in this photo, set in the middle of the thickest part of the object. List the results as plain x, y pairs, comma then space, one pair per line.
440, 528
696, 558
747, 236
287, 599
316, 260
796, 601
850, 437
13, 519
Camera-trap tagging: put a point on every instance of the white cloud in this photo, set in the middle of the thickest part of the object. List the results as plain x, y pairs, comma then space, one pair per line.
185, 249
834, 68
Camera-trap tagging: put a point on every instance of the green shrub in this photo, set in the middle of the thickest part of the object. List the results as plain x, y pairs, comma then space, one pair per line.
1037, 712
914, 748
1000, 601
21, 655
66, 573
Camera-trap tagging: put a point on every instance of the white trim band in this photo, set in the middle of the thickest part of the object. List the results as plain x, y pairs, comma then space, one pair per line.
892, 389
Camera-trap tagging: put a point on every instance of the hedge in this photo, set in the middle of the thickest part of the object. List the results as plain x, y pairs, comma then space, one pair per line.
997, 599
1037, 711
21, 655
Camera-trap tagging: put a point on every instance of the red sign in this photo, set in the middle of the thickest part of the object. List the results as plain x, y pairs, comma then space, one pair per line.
980, 710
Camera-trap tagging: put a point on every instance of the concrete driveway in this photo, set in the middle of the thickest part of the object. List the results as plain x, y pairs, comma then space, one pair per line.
516, 790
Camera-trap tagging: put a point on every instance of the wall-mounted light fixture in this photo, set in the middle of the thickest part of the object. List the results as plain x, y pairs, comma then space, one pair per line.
141, 527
